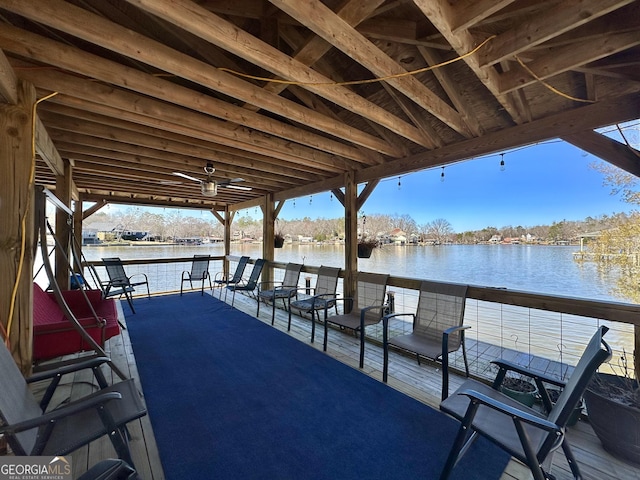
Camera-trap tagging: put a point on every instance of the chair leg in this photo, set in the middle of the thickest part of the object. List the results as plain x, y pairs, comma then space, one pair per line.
117, 436
362, 347
464, 438
571, 460
530, 454
385, 350
464, 354
313, 323
289, 310
326, 334
273, 310
445, 376
129, 298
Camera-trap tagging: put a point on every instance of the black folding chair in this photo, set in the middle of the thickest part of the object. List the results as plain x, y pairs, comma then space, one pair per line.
524, 433
119, 283
199, 273
223, 280
63, 430
250, 284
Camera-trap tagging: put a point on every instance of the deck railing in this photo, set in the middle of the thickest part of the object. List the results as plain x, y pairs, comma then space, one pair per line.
544, 332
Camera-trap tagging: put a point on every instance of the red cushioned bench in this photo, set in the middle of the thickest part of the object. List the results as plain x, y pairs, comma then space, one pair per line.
54, 335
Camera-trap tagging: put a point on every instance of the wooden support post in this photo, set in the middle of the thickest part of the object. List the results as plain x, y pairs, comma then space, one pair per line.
350, 234
16, 224
77, 229
63, 228
226, 222
636, 351
268, 231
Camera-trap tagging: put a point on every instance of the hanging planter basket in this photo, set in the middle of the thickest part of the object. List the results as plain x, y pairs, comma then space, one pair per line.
365, 249
278, 241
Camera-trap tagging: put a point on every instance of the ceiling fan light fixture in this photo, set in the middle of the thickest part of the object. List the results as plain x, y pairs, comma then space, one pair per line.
209, 189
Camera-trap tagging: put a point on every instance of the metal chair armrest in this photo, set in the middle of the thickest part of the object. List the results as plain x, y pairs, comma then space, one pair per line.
53, 415
62, 368
506, 366
512, 412
386, 318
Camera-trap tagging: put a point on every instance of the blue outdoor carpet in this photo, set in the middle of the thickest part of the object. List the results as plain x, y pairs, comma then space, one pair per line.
230, 397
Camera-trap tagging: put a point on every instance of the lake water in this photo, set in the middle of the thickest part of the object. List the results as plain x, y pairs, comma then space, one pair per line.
533, 268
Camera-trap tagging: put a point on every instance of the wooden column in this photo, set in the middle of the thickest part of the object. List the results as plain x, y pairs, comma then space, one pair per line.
78, 215
268, 230
636, 351
226, 222
62, 229
350, 234
16, 224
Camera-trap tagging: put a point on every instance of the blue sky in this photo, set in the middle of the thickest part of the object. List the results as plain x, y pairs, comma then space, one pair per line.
541, 184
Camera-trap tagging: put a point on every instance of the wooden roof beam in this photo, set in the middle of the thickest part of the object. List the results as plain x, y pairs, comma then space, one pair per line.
559, 60
324, 22
433, 57
468, 13
88, 158
546, 25
8, 81
313, 49
79, 22
218, 31
616, 153
142, 140
93, 209
442, 15
47, 150
265, 161
588, 117
9, 94
179, 119
416, 115
150, 202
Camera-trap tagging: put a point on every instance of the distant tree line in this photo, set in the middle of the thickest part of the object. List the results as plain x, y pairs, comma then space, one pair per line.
175, 224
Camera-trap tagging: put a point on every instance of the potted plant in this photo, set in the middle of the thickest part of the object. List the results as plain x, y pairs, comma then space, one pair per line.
520, 389
365, 247
278, 240
613, 406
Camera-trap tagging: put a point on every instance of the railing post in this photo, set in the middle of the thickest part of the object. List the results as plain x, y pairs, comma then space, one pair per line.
391, 303
307, 285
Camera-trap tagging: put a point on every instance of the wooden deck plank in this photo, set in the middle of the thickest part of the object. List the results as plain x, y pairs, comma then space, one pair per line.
422, 382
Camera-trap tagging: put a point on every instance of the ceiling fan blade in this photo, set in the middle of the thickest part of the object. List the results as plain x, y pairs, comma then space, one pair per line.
188, 177
230, 184
232, 180
237, 187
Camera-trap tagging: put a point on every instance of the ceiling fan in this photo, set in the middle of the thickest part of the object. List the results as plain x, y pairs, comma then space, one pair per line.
210, 186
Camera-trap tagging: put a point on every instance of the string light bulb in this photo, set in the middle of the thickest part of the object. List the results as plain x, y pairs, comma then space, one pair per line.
442, 175
310, 199
399, 184
502, 167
